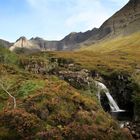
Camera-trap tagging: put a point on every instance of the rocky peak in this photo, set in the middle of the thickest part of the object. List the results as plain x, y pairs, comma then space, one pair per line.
22, 38
36, 38
23, 42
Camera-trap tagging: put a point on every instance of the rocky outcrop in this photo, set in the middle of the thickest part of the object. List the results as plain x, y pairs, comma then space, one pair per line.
79, 79
34, 66
134, 129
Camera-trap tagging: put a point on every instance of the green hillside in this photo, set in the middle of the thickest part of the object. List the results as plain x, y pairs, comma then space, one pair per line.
47, 107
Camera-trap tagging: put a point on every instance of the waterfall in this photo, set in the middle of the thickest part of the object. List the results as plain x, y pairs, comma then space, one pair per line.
113, 105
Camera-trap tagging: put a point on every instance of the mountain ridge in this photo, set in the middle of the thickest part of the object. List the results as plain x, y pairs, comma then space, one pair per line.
124, 22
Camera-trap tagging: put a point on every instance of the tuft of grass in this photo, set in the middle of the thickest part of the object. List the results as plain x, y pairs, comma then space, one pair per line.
7, 57
30, 86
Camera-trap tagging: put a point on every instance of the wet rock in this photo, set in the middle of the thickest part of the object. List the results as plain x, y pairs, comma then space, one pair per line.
121, 88
134, 129
133, 132
128, 133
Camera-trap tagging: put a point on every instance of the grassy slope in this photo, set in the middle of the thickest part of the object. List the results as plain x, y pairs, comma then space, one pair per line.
120, 54
48, 107
127, 48
128, 44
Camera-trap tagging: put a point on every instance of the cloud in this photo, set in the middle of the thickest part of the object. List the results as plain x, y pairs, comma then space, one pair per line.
87, 12
38, 6
36, 3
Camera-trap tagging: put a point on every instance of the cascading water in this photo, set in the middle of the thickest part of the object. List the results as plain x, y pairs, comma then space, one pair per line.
113, 105
121, 115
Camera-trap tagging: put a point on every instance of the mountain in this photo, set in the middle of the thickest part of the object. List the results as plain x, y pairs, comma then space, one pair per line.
122, 23
25, 45
44, 44
4, 43
70, 42
120, 32
67, 43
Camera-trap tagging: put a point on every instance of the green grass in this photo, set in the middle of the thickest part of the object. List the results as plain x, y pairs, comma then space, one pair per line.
29, 87
127, 44
7, 57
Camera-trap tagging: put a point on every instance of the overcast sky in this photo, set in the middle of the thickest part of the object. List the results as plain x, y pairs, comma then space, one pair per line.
53, 19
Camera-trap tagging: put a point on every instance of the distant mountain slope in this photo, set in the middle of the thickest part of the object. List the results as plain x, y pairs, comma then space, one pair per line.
5, 43
126, 43
126, 21
70, 42
25, 45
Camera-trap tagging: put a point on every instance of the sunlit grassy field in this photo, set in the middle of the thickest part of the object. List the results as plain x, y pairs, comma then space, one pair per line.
120, 54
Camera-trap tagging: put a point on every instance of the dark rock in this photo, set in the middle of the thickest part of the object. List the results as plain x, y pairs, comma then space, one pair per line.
121, 88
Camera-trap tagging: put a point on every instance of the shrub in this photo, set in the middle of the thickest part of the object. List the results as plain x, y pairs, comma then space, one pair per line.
23, 124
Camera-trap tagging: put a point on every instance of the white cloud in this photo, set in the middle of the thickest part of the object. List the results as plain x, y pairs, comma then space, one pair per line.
87, 12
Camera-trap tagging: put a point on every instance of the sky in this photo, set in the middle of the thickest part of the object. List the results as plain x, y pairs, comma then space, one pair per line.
53, 19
